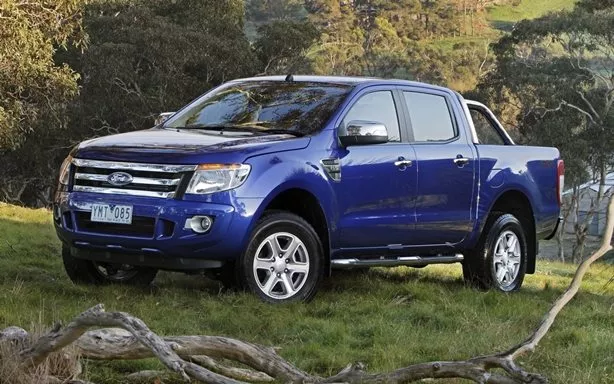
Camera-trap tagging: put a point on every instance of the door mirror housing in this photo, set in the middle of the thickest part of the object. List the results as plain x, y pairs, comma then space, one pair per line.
163, 117
361, 132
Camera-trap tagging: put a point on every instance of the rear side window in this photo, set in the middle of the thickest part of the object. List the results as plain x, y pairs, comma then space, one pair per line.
486, 131
430, 117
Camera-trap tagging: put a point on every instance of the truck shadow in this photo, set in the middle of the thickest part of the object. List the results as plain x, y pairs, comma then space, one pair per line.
367, 279
30, 254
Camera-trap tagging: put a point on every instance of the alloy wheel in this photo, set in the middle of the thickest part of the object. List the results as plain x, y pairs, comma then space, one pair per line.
281, 265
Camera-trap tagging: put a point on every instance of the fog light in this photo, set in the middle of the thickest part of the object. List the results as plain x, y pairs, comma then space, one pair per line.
57, 214
199, 224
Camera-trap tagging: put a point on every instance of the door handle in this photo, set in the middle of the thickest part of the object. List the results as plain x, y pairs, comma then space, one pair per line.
403, 163
461, 161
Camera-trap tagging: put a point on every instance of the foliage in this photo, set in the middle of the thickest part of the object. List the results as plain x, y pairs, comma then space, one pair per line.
397, 39
143, 57
281, 46
33, 89
340, 49
561, 67
508, 13
274, 10
146, 57
151, 56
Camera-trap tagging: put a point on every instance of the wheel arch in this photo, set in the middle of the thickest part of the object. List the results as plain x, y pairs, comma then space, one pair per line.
517, 203
302, 202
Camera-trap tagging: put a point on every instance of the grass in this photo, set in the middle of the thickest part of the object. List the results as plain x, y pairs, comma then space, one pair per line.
385, 318
504, 16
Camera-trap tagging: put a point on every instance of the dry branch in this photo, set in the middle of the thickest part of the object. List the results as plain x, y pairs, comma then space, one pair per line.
14, 335
232, 372
114, 344
547, 321
132, 339
96, 317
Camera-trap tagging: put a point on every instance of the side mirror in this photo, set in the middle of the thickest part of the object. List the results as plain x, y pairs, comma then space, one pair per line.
361, 132
163, 117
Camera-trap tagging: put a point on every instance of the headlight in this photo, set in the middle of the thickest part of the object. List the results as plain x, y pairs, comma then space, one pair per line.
210, 178
65, 171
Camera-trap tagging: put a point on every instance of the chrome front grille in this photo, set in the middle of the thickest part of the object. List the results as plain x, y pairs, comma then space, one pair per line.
138, 179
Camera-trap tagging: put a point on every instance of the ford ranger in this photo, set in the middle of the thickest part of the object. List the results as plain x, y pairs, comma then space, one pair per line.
272, 182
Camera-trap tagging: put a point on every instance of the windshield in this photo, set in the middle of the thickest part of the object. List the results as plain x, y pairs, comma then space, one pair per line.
301, 108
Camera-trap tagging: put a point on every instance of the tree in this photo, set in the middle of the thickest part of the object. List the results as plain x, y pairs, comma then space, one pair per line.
143, 57
391, 39
34, 89
340, 49
274, 10
561, 67
282, 45
146, 57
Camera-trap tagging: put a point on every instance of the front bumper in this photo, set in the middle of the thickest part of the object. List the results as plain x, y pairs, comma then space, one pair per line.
157, 238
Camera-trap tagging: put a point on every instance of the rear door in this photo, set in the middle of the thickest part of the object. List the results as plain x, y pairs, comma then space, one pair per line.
445, 162
376, 191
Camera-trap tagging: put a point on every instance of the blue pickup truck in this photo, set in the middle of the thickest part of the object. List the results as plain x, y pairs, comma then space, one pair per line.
273, 182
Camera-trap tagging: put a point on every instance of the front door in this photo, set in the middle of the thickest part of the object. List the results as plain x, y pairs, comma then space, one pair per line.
376, 193
446, 169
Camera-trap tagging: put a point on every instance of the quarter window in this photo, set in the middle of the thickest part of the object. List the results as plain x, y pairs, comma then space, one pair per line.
430, 117
486, 131
376, 107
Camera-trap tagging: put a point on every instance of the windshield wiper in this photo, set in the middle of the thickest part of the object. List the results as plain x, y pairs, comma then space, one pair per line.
246, 128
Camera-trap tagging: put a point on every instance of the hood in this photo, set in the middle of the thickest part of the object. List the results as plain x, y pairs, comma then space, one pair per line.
172, 146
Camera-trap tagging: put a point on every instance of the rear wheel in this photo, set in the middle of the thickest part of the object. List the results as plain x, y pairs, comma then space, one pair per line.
283, 261
500, 260
97, 273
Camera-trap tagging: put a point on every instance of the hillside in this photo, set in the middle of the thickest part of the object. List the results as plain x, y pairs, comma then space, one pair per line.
504, 16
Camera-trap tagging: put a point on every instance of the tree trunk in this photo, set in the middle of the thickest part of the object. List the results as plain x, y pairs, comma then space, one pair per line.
581, 228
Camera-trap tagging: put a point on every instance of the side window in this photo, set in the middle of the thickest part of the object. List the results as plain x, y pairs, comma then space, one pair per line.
487, 132
377, 107
430, 117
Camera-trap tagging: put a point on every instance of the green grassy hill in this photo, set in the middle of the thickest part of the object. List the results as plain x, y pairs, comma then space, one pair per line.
385, 318
504, 16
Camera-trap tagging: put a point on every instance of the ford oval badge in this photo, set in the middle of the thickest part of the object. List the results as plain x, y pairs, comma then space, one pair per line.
119, 179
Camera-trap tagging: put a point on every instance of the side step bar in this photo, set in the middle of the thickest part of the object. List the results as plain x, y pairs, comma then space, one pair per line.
411, 261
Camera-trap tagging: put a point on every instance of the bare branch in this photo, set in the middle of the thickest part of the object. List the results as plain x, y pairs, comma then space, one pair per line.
529, 344
564, 103
233, 372
59, 338
590, 105
113, 344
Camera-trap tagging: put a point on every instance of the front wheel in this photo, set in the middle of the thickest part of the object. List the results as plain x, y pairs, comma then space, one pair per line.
500, 260
283, 261
96, 273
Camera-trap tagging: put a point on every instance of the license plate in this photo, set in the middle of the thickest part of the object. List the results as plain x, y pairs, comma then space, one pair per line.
110, 213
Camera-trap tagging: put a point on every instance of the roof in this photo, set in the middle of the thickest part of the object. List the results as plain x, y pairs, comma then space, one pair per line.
594, 185
351, 80
314, 79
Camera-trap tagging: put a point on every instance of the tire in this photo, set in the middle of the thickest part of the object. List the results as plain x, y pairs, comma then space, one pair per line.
500, 259
94, 273
283, 261
226, 275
